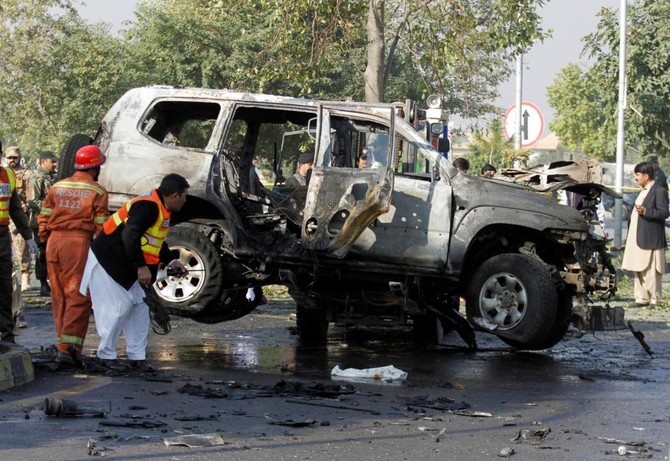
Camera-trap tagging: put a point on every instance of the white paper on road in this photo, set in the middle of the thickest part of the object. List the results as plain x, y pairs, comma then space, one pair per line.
387, 373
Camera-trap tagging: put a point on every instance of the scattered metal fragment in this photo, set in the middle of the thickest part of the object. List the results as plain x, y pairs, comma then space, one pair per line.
53, 406
532, 435
195, 440
640, 337
316, 389
196, 418
205, 392
473, 414
441, 403
506, 452
94, 450
638, 443
330, 405
159, 392
144, 423
290, 422
439, 435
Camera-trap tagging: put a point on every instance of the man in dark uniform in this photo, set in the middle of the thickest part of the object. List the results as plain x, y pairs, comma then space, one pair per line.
10, 210
659, 175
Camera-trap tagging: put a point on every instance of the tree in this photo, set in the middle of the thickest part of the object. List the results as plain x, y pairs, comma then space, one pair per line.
586, 101
490, 146
58, 74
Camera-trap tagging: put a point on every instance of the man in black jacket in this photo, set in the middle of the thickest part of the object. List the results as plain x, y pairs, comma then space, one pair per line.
645, 244
126, 254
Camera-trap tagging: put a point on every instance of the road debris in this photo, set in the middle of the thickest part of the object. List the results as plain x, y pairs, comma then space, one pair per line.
637, 443
139, 423
640, 337
441, 403
315, 389
206, 392
439, 435
330, 405
290, 422
195, 440
54, 406
388, 373
533, 436
94, 450
506, 452
472, 414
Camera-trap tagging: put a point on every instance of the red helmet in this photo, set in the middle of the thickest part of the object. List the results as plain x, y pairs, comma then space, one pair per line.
88, 157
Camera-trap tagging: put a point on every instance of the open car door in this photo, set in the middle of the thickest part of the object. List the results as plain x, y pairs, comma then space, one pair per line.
352, 178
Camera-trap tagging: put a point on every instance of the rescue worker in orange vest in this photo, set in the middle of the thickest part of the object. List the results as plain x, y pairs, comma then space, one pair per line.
128, 252
72, 213
10, 209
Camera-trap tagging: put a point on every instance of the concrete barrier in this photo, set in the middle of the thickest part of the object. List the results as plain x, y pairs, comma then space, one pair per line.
16, 366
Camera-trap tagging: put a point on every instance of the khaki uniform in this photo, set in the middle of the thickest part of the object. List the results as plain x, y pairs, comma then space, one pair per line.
20, 250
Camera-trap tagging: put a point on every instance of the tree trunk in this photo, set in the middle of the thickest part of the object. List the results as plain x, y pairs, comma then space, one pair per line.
374, 72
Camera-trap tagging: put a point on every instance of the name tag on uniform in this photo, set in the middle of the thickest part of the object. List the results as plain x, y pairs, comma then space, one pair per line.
5, 190
166, 223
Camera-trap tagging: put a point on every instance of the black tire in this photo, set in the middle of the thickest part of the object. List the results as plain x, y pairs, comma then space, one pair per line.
312, 326
233, 305
67, 155
201, 289
515, 293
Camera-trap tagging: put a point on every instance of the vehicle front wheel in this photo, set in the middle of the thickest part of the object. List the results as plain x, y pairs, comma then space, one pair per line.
514, 297
201, 288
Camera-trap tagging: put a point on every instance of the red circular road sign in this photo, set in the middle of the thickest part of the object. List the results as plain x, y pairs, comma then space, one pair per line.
532, 123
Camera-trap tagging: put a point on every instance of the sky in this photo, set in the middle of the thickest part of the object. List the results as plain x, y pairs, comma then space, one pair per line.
570, 20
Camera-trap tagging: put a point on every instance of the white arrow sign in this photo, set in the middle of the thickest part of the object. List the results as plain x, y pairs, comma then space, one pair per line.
532, 123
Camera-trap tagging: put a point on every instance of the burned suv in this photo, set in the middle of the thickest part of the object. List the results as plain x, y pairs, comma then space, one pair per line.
391, 242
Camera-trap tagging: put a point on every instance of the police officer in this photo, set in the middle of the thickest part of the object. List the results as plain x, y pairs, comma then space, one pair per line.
72, 213
22, 176
37, 190
10, 210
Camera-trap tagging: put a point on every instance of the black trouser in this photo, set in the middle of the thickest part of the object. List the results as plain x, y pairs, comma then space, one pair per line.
6, 317
40, 262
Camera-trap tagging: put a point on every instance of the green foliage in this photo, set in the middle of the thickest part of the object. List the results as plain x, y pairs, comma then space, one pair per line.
586, 100
59, 75
490, 146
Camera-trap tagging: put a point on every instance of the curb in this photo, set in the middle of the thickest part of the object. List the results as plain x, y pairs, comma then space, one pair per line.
16, 366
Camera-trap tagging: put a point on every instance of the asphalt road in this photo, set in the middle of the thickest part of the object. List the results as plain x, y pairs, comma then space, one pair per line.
249, 385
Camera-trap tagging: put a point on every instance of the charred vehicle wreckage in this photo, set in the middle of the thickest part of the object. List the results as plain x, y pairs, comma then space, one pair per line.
392, 243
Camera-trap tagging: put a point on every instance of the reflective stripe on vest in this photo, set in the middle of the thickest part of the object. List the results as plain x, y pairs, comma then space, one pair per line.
7, 188
153, 237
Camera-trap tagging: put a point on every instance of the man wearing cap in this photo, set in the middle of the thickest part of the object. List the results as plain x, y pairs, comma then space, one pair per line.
22, 176
659, 175
10, 210
73, 212
301, 177
37, 190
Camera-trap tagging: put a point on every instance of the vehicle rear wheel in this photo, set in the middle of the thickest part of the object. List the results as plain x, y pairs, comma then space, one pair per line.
514, 297
201, 289
67, 155
312, 326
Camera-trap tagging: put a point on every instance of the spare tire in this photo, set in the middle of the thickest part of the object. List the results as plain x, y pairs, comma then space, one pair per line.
67, 155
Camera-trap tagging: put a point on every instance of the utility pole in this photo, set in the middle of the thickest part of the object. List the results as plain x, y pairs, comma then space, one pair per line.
519, 86
620, 144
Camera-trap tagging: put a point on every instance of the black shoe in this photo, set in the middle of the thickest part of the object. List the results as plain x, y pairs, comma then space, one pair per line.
112, 364
64, 359
20, 322
141, 365
45, 290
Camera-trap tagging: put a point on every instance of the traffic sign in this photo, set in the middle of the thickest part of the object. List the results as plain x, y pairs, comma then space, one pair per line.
532, 123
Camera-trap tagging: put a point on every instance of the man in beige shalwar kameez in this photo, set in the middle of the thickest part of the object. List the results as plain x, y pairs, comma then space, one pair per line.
645, 245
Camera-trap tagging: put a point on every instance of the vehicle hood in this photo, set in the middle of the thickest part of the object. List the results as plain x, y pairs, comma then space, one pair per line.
471, 193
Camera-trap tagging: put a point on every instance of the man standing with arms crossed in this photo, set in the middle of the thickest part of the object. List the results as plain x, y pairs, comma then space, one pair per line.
72, 213
10, 210
126, 254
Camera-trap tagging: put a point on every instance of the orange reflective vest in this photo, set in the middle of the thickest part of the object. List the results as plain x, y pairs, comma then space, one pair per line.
7, 188
153, 237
